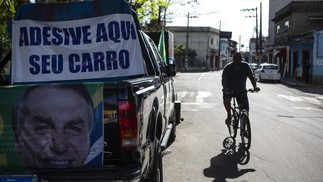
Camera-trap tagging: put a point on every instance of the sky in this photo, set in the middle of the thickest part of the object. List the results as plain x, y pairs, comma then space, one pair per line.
225, 15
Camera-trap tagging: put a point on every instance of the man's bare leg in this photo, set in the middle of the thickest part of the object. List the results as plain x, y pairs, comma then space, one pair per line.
227, 105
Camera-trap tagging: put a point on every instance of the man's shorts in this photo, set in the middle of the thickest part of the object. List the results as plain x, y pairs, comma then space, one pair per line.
241, 97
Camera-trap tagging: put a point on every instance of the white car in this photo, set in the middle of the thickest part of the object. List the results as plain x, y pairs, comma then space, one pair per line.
253, 67
267, 71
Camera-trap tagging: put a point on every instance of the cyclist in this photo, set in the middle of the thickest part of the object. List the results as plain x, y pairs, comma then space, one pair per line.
234, 78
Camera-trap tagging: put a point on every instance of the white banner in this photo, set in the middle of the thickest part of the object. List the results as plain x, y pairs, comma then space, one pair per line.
93, 48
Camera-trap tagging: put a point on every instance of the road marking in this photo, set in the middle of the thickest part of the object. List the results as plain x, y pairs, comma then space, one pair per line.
197, 100
312, 100
202, 76
291, 98
201, 95
307, 108
181, 94
193, 106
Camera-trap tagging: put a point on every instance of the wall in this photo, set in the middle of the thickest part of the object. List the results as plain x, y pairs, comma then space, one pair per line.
318, 58
199, 39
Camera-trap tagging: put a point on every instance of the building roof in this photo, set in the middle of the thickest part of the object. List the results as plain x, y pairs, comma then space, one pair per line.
301, 7
192, 29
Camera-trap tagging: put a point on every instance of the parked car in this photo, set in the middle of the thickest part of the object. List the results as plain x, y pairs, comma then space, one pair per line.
268, 72
253, 67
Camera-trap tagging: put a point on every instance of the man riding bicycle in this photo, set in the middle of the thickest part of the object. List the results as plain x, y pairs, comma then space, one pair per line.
234, 78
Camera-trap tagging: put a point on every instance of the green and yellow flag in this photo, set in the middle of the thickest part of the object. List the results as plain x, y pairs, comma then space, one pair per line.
161, 45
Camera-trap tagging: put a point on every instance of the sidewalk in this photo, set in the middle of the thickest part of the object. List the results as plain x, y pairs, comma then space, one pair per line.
310, 88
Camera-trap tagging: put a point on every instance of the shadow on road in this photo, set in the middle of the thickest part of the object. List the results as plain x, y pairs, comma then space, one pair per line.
225, 165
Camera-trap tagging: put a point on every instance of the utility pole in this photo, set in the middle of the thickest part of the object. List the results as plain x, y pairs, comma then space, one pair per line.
219, 51
239, 43
187, 38
186, 50
260, 34
257, 39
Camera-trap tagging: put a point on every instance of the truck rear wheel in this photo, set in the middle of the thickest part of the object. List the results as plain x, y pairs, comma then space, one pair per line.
157, 166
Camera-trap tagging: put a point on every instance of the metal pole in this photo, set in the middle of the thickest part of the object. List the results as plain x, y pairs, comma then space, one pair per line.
239, 43
219, 51
186, 52
260, 33
257, 39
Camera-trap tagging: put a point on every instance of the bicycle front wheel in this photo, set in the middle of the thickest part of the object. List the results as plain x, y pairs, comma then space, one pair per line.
245, 131
232, 127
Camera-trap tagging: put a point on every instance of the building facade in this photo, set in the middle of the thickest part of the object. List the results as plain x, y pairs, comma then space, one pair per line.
202, 40
274, 6
297, 31
211, 45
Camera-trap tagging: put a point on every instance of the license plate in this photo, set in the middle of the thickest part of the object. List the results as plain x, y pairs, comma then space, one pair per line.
18, 179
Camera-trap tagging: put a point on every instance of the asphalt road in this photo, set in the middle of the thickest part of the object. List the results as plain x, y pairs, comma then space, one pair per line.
287, 134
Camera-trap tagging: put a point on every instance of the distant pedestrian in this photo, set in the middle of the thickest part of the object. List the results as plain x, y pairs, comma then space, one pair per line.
306, 70
298, 75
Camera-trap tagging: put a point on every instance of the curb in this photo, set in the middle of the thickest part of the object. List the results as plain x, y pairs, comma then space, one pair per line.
312, 88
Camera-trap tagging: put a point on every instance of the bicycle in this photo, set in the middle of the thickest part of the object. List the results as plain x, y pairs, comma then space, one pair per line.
240, 116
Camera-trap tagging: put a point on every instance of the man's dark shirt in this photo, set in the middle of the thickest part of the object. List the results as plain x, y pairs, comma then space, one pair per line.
236, 78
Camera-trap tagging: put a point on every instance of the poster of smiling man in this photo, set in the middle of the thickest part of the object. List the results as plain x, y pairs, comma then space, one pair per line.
51, 126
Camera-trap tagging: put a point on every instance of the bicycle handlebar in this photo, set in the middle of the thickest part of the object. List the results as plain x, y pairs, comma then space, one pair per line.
256, 89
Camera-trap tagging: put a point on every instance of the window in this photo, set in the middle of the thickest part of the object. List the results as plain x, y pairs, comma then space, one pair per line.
278, 29
212, 41
157, 59
271, 67
286, 28
287, 24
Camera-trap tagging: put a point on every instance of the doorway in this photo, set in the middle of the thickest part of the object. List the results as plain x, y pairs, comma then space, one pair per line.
306, 66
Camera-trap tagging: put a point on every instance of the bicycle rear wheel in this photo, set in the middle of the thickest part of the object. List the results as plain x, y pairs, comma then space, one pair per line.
232, 127
245, 131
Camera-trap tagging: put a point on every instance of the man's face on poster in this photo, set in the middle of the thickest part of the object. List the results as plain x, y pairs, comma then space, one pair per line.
55, 129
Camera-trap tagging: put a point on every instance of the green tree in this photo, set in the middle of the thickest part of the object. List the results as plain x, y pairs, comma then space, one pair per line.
7, 9
179, 50
151, 13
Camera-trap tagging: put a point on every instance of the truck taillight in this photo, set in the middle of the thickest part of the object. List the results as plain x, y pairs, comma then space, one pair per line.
127, 124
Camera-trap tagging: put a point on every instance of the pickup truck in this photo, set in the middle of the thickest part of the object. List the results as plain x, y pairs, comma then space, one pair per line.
88, 96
